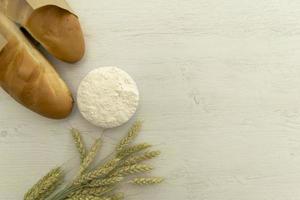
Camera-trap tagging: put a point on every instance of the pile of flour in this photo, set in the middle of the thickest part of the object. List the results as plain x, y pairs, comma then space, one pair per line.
107, 97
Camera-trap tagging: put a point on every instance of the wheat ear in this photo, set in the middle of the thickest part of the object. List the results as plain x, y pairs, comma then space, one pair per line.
88, 197
105, 182
50, 191
49, 182
139, 158
99, 191
90, 157
132, 169
117, 196
99, 172
79, 143
147, 181
133, 149
131, 135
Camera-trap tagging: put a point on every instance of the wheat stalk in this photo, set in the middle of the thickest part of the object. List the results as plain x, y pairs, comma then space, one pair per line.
88, 197
98, 183
90, 156
99, 172
79, 143
112, 163
99, 191
92, 175
105, 182
132, 169
147, 181
49, 191
139, 158
49, 182
133, 149
131, 135
117, 196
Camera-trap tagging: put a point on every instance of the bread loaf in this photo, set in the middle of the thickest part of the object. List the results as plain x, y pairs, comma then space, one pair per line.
56, 29
29, 78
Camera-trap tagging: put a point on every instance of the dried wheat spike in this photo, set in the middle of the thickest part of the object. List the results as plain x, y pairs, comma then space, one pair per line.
91, 191
133, 149
88, 197
131, 135
105, 182
49, 182
90, 157
117, 196
99, 172
139, 158
132, 169
147, 181
79, 143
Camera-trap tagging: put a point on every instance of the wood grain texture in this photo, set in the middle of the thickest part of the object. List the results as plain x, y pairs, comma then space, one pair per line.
220, 88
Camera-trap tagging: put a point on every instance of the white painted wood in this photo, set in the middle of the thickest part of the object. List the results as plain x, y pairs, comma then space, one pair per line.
220, 87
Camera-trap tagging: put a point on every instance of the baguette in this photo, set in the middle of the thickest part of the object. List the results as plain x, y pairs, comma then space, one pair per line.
56, 29
29, 78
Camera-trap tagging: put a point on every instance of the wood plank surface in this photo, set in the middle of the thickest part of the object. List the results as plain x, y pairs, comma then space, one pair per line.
220, 96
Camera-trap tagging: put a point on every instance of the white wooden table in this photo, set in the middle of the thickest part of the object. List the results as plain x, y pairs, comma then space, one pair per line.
220, 87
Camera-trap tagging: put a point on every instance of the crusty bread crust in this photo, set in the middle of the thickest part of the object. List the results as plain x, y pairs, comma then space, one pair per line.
56, 29
29, 78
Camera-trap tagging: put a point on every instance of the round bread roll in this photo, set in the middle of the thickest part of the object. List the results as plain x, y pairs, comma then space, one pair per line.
56, 29
107, 97
29, 78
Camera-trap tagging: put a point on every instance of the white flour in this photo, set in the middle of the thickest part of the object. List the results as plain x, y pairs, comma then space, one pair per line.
107, 97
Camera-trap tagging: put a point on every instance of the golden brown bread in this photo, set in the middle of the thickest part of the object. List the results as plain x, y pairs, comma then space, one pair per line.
56, 29
29, 78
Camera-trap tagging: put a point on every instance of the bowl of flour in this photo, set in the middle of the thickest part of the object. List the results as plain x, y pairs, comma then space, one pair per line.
107, 97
